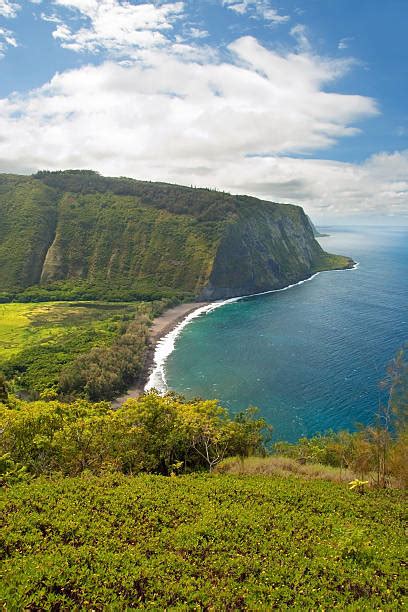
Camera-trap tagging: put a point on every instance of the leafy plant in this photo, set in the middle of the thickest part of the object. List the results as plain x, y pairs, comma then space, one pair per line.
200, 542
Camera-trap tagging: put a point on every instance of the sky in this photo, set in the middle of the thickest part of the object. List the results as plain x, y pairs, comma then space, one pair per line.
297, 101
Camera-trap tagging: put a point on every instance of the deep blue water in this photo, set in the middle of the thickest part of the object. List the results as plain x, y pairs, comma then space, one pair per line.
310, 357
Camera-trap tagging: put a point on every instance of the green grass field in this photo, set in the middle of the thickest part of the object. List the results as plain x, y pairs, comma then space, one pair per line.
38, 339
17, 328
25, 324
201, 542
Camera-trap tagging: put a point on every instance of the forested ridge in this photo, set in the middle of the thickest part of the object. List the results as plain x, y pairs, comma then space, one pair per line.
78, 235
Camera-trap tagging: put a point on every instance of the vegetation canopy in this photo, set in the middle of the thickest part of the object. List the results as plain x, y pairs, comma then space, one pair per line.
154, 434
76, 235
94, 350
99, 505
201, 542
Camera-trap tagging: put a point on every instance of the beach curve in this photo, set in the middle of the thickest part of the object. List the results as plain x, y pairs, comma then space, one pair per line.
167, 327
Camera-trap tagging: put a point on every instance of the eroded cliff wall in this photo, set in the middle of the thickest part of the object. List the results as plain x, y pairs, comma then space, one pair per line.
79, 228
269, 246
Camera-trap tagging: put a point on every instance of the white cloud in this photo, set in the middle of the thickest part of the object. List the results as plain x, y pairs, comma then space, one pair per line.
231, 125
197, 33
327, 189
182, 115
259, 8
299, 33
263, 102
9, 9
6, 40
238, 7
344, 43
116, 25
50, 18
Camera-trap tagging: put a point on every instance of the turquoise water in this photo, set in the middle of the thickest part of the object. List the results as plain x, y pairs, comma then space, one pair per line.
310, 357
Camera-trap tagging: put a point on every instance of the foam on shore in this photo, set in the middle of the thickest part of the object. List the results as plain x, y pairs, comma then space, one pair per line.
166, 345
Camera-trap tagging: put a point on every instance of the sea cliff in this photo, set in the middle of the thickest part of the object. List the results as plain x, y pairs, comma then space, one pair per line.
79, 235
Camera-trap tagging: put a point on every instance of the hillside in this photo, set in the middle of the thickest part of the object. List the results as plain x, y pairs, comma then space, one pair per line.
200, 542
78, 235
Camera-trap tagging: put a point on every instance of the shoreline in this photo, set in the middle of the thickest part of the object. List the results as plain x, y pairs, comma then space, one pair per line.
169, 324
161, 327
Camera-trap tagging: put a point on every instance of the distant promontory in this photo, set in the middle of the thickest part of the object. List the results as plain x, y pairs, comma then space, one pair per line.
79, 235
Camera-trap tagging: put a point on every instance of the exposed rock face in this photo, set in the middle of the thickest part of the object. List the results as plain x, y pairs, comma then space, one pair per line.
54, 267
79, 227
267, 248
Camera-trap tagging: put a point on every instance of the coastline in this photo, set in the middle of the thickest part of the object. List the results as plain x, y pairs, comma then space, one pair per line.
161, 327
167, 326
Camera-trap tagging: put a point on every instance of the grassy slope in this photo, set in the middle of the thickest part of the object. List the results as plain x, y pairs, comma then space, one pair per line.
27, 224
125, 239
277, 465
201, 542
329, 261
16, 329
37, 340
115, 239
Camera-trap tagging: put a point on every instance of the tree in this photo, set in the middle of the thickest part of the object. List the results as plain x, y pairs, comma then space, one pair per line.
391, 419
207, 431
249, 434
3, 389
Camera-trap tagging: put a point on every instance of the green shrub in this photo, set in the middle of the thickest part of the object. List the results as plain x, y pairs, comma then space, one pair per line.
151, 434
201, 542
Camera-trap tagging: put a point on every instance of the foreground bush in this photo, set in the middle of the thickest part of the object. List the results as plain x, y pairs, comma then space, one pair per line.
200, 542
156, 434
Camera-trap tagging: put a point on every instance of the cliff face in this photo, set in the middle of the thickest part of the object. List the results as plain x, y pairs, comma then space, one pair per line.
28, 217
118, 240
78, 227
267, 247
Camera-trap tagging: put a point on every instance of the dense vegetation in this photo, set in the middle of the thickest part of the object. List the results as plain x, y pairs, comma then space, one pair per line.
200, 542
76, 235
203, 204
84, 527
152, 434
94, 350
28, 216
169, 434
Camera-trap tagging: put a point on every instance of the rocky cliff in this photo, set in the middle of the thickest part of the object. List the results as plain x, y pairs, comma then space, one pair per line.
268, 246
79, 229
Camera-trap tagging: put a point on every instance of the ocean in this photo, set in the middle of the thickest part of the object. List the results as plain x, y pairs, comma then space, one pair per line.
310, 357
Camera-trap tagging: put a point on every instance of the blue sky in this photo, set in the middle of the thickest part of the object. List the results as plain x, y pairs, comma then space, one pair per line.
297, 101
